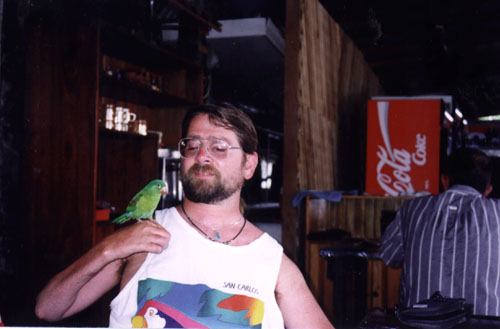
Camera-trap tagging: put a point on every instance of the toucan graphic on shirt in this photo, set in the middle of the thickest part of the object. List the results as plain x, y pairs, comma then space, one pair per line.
166, 304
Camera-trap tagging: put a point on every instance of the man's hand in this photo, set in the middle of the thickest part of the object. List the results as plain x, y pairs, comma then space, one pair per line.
144, 236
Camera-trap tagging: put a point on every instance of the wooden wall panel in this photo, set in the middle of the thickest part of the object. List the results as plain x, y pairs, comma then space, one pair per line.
314, 165
359, 215
59, 161
115, 183
327, 83
382, 285
292, 133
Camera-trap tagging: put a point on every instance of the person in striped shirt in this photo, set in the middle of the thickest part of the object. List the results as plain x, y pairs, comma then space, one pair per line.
450, 242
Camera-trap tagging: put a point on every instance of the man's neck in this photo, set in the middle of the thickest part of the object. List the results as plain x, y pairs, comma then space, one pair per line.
223, 212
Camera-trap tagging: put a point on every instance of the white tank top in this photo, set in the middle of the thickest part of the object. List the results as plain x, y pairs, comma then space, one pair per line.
197, 283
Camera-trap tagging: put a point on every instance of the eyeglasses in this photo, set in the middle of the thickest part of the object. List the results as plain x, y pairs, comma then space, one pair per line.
218, 148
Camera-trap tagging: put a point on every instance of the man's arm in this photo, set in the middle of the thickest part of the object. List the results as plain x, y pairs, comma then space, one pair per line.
296, 302
98, 270
391, 243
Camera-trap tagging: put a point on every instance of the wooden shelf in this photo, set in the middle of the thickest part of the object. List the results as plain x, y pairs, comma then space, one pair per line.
115, 134
131, 93
119, 43
214, 25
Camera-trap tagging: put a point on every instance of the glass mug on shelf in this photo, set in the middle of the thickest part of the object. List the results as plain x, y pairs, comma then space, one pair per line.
128, 117
118, 118
141, 127
109, 116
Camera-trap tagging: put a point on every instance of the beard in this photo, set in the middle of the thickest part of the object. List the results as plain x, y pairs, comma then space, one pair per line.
205, 191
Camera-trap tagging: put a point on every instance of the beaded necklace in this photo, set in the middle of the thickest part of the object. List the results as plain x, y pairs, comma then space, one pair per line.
217, 235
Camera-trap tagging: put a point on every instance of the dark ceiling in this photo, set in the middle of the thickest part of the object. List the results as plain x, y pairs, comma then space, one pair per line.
415, 47
430, 47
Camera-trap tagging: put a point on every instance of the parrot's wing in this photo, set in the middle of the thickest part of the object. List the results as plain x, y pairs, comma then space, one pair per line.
147, 203
122, 218
132, 205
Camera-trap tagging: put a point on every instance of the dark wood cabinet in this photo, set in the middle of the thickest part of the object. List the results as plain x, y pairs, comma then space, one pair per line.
125, 161
70, 160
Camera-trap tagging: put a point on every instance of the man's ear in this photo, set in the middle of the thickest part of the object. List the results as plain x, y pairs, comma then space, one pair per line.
488, 190
445, 181
250, 164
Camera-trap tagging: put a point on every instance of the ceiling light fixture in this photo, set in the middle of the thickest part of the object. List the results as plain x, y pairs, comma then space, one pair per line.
495, 117
448, 116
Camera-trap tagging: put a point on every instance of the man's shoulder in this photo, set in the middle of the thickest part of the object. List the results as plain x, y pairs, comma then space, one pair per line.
163, 214
421, 200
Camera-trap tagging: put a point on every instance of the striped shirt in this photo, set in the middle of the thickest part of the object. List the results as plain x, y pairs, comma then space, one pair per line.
451, 243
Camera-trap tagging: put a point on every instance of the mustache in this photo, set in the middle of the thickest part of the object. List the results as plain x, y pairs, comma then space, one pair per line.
202, 168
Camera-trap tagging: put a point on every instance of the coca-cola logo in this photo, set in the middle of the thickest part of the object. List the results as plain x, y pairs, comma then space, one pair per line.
394, 165
420, 155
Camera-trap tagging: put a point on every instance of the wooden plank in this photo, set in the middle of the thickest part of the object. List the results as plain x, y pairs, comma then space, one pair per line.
359, 215
292, 93
379, 206
308, 60
330, 213
60, 139
341, 215
374, 285
324, 75
391, 286
350, 212
369, 213
115, 184
360, 222
319, 284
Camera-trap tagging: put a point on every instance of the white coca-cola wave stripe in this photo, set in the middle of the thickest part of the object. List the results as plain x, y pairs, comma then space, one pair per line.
383, 122
398, 161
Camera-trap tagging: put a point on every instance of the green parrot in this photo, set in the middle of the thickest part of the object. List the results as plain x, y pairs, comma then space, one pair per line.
144, 203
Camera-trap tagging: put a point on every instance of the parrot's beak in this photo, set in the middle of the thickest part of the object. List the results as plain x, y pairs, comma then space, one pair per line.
164, 190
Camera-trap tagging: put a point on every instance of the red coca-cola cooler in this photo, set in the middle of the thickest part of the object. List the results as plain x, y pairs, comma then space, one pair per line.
403, 146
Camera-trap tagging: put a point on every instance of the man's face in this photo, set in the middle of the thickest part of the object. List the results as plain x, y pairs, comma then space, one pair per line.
207, 179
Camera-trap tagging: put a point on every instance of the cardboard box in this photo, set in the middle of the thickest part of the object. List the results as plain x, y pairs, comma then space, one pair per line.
102, 215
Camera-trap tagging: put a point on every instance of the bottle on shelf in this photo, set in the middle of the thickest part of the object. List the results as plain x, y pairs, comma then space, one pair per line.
109, 116
128, 118
118, 118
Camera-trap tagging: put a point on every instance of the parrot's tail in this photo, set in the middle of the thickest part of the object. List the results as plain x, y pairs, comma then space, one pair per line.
122, 218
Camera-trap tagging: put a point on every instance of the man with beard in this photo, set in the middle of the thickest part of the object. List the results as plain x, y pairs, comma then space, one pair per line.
200, 264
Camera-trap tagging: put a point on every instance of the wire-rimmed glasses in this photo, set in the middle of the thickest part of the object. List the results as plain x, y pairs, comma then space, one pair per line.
218, 148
